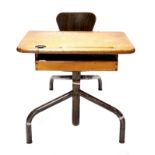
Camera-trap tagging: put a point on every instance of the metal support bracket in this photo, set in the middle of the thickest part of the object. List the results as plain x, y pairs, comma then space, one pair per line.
69, 77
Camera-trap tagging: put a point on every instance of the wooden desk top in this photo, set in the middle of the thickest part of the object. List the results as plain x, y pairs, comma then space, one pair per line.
71, 42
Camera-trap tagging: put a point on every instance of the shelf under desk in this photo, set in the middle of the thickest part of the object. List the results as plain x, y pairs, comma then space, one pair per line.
76, 62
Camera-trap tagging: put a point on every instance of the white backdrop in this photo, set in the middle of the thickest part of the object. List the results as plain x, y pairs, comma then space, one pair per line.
131, 89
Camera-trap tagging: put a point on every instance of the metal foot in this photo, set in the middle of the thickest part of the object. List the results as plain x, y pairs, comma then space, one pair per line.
40, 109
110, 108
69, 77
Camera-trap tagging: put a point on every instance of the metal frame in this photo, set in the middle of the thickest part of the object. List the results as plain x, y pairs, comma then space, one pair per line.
75, 94
40, 109
69, 77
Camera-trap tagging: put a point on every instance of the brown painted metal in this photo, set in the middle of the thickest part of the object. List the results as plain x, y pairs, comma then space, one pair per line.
76, 98
69, 77
75, 94
110, 108
58, 77
40, 109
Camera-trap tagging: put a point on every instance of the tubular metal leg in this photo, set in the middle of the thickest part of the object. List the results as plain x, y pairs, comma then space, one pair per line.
40, 109
69, 77
110, 108
58, 77
90, 77
76, 98
75, 94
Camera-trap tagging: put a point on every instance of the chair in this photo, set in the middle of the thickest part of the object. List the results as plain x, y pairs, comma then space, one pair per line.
75, 21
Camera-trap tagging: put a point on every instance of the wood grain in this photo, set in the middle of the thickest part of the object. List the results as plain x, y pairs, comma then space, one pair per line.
77, 66
64, 42
76, 21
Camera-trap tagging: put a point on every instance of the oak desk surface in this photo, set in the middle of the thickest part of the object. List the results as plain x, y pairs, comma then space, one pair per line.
71, 42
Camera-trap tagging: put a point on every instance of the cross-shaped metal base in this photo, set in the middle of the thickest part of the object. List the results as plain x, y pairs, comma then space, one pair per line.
75, 94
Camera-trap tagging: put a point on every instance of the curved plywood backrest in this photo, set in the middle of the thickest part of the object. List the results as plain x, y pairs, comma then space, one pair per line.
76, 21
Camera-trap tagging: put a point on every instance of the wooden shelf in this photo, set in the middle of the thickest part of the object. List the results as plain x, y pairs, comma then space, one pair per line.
70, 62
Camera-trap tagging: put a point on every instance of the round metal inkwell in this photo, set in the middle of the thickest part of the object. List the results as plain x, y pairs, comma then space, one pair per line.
40, 46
